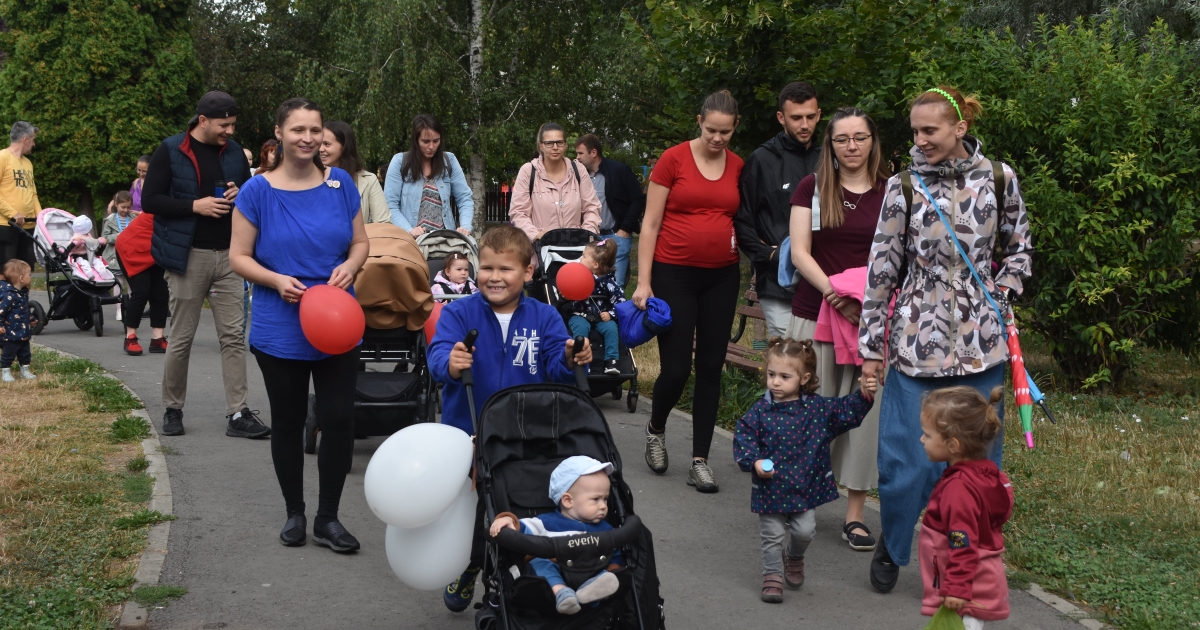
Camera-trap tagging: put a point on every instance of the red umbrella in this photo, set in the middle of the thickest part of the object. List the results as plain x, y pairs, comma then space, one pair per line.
1020, 382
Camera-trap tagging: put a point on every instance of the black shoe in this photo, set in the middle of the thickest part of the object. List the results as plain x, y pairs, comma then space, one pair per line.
883, 570
292, 534
334, 536
173, 422
245, 423
610, 367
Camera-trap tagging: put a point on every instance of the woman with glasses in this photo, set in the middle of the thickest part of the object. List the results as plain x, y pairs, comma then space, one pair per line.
688, 257
552, 191
425, 186
834, 214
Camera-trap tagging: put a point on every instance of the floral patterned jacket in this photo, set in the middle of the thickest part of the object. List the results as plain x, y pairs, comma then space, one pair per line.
943, 324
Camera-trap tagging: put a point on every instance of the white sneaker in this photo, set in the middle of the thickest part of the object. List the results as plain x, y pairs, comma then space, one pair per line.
101, 271
26, 374
80, 269
7, 376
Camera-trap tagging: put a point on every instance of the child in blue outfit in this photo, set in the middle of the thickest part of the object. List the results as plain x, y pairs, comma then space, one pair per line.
520, 341
784, 439
15, 319
599, 312
579, 486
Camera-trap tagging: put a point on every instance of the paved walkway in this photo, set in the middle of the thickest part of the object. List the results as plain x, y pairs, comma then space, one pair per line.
224, 546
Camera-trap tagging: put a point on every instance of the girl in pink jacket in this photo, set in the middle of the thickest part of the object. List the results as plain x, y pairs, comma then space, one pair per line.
961, 542
553, 192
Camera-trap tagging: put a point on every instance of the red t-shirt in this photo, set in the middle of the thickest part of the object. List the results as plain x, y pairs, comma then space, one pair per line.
697, 225
841, 248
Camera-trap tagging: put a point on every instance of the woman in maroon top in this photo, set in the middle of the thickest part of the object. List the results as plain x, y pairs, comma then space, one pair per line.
849, 183
688, 258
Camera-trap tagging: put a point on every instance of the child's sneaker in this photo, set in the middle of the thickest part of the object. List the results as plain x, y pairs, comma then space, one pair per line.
6, 376
772, 591
80, 269
793, 570
101, 271
610, 367
597, 588
460, 592
26, 374
566, 602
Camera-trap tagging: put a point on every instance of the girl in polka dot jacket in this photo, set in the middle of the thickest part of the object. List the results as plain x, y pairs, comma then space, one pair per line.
784, 439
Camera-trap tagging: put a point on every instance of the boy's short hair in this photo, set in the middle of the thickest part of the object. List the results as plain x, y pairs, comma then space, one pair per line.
16, 268
504, 239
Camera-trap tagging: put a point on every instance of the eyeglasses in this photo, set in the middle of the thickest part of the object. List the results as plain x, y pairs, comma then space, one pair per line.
554, 144
842, 141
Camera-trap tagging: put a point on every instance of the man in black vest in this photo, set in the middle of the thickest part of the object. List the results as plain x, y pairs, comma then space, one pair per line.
190, 186
769, 178
622, 201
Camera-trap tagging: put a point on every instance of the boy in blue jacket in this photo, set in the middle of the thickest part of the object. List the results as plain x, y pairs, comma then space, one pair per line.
520, 341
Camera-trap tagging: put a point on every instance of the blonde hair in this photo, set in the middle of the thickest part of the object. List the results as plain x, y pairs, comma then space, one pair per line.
16, 268
605, 254
969, 106
962, 413
800, 353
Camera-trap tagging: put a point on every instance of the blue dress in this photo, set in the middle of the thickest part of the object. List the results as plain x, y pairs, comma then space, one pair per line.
301, 233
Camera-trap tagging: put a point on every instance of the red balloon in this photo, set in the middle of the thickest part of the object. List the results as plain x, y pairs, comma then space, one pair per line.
431, 323
331, 319
575, 281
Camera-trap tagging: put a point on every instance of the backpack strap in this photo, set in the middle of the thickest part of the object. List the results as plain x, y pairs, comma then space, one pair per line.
906, 188
1000, 183
532, 174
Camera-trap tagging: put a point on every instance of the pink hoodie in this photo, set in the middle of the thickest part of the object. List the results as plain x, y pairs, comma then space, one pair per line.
566, 204
833, 327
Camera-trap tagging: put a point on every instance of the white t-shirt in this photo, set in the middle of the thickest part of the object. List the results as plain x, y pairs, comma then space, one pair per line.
504, 319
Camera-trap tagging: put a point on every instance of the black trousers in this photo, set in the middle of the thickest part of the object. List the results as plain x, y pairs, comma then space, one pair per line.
333, 380
703, 302
149, 286
18, 350
13, 245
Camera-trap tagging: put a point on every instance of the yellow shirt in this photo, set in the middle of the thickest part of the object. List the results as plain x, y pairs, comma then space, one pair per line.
18, 194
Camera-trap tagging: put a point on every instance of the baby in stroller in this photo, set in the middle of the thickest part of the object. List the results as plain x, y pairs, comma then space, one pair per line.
599, 312
454, 279
83, 252
580, 487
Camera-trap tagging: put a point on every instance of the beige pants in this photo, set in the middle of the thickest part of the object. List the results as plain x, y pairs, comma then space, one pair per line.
207, 270
855, 454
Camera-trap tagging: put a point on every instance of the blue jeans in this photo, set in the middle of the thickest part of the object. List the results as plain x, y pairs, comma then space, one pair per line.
906, 476
608, 330
624, 244
549, 570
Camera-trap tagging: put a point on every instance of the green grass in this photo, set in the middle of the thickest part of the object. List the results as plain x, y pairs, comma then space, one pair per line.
70, 529
137, 464
149, 596
102, 393
138, 487
129, 429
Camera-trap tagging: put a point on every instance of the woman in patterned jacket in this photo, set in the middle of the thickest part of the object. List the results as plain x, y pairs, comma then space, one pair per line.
943, 331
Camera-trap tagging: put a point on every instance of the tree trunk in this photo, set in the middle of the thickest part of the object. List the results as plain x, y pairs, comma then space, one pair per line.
84, 207
476, 179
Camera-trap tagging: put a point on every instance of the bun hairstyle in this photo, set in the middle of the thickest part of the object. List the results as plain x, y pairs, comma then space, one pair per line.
605, 254
550, 126
281, 115
968, 107
962, 413
720, 102
802, 356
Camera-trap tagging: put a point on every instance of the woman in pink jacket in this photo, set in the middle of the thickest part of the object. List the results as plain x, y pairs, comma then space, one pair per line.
553, 192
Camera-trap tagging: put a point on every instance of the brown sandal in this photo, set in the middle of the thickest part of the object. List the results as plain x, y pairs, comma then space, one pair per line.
772, 590
793, 571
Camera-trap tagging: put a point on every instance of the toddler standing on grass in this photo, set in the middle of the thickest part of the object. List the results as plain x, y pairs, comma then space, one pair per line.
784, 439
15, 319
961, 542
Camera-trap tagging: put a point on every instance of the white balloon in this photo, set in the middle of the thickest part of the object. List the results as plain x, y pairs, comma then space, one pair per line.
430, 557
414, 476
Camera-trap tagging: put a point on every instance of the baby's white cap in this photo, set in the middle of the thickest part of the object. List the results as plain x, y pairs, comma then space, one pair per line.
81, 224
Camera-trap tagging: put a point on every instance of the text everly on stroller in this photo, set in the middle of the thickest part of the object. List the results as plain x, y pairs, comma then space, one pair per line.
84, 287
555, 249
523, 433
393, 289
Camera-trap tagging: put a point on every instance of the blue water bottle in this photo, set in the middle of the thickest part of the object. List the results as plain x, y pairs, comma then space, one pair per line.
768, 465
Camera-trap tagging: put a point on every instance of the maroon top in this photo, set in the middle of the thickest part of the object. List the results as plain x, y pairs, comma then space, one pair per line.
841, 248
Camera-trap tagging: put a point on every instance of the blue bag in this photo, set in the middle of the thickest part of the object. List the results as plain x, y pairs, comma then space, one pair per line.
788, 276
636, 326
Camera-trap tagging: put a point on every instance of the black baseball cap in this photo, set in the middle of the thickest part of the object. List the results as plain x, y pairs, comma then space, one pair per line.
215, 105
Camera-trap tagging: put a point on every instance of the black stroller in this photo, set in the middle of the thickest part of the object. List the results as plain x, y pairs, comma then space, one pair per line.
69, 297
523, 433
555, 249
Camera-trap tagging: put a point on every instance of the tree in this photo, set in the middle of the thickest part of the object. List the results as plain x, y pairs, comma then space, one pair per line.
104, 80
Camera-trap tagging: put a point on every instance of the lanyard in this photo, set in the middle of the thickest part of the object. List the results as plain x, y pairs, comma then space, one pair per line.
121, 226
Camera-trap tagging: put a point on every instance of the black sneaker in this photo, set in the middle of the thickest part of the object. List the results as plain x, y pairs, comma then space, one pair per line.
334, 536
173, 422
610, 367
292, 534
884, 571
245, 423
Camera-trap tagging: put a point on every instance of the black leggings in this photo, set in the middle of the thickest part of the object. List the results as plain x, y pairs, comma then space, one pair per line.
703, 303
148, 286
287, 388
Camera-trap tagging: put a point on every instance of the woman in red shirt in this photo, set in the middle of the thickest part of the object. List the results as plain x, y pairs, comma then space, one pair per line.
688, 257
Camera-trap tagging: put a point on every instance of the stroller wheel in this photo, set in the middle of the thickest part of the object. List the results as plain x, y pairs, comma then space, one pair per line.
39, 317
98, 321
84, 323
631, 402
310, 426
616, 393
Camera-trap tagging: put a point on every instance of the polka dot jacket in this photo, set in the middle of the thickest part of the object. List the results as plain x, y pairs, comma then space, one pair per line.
795, 436
14, 312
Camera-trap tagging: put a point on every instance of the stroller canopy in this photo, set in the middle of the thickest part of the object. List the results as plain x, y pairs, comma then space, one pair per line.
393, 286
438, 244
54, 227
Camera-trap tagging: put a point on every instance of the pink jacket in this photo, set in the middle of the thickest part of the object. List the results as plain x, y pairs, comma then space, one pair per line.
833, 327
568, 204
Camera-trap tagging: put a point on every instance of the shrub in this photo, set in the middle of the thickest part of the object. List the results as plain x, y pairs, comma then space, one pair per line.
1102, 131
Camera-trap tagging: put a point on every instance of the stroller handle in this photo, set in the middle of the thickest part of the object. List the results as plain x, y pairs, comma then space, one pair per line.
468, 380
581, 380
574, 547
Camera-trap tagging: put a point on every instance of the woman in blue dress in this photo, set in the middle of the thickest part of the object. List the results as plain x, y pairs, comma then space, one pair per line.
298, 225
